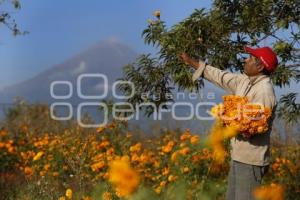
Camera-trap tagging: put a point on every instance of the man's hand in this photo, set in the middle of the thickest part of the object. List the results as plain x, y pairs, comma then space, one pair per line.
190, 61
185, 58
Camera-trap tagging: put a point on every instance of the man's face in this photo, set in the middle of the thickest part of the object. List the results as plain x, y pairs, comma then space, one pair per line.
251, 67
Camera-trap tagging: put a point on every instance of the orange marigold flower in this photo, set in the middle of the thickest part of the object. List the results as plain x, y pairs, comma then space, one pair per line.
104, 144
186, 170
157, 13
216, 138
269, 192
165, 171
55, 174
196, 158
185, 151
3, 132
157, 190
123, 177
168, 148
163, 183
100, 129
174, 156
28, 171
38, 156
107, 196
172, 178
195, 139
97, 166
69, 193
89, 198
136, 148
47, 167
186, 135
248, 117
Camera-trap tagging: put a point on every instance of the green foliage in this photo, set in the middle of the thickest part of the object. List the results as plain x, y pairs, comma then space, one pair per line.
151, 78
289, 109
24, 117
72, 151
218, 36
7, 20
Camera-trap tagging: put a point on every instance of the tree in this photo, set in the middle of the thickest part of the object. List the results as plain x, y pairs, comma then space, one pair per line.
218, 35
7, 20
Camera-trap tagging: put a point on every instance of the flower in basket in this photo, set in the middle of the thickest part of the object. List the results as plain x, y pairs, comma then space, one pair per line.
237, 111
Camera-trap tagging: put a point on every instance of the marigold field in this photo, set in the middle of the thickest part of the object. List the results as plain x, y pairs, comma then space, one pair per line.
46, 159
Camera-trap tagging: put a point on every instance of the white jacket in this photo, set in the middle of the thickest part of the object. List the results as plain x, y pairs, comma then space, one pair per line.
259, 89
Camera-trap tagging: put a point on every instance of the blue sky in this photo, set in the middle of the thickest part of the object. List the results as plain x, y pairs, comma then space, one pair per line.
61, 29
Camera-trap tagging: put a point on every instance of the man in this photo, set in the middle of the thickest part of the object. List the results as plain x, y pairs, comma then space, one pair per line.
250, 157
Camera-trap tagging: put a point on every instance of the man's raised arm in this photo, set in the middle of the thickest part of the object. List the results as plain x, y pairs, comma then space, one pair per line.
226, 80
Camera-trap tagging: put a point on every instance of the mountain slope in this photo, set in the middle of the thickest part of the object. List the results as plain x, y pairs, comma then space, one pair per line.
106, 57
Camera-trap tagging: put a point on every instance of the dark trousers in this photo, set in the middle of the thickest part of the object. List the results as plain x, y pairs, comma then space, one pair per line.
243, 179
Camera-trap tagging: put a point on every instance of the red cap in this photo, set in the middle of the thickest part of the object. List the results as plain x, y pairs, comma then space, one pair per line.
266, 55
